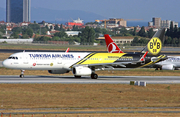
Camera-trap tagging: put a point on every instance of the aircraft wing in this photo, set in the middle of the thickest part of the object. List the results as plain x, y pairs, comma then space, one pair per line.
134, 64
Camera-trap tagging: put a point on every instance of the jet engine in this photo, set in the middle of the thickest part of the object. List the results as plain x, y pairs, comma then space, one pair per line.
81, 70
168, 67
58, 71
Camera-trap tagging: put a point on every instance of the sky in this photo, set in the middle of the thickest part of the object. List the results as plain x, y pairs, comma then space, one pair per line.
127, 9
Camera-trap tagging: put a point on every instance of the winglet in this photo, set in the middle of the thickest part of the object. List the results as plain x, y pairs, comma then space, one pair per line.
67, 50
143, 57
111, 46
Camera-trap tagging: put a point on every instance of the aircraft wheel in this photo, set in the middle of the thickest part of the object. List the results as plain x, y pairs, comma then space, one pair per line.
21, 76
94, 76
77, 76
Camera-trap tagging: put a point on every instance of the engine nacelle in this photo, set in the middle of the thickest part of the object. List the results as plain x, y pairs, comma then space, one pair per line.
167, 67
58, 71
81, 70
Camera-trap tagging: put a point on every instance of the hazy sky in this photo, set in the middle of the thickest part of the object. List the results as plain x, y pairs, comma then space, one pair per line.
127, 9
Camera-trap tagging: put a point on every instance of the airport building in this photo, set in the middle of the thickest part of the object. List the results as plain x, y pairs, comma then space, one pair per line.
18, 11
119, 40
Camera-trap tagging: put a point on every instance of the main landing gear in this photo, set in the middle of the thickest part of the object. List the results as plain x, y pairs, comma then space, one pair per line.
94, 76
22, 74
77, 76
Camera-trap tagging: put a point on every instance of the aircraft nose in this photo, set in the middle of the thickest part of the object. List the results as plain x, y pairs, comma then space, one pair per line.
6, 63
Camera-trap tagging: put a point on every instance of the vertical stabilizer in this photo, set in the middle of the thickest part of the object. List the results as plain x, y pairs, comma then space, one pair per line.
154, 46
111, 46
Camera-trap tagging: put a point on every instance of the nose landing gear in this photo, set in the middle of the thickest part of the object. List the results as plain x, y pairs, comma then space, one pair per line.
22, 74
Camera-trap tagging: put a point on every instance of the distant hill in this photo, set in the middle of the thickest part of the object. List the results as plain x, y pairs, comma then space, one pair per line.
40, 14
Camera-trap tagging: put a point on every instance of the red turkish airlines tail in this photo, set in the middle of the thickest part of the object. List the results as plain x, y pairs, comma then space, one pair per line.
111, 46
67, 50
143, 57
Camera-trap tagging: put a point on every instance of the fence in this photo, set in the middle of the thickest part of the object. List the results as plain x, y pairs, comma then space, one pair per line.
16, 41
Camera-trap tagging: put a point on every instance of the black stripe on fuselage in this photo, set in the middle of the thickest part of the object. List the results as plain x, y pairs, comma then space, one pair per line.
83, 59
129, 58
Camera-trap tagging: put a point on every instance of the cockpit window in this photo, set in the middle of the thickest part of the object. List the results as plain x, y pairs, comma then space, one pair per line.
12, 57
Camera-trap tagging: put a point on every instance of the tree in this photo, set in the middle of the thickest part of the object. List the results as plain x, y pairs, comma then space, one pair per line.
135, 41
55, 38
142, 32
134, 31
97, 30
84, 35
15, 35
17, 29
150, 33
25, 36
56, 27
123, 31
29, 32
41, 38
178, 33
61, 28
43, 30
171, 31
61, 34
1, 35
175, 32
91, 36
87, 36
168, 41
2, 28
167, 32
143, 41
75, 28
35, 27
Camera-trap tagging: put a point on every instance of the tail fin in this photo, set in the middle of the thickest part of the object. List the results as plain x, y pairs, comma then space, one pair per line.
143, 57
111, 46
154, 46
67, 50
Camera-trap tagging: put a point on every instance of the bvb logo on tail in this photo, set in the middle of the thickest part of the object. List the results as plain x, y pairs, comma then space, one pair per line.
154, 45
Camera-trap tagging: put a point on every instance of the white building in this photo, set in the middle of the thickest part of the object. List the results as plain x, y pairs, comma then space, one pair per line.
72, 33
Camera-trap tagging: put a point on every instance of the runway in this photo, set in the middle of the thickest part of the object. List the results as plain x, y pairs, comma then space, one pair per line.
87, 80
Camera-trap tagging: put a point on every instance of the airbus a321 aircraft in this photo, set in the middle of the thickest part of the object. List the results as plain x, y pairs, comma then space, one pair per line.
81, 63
172, 63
